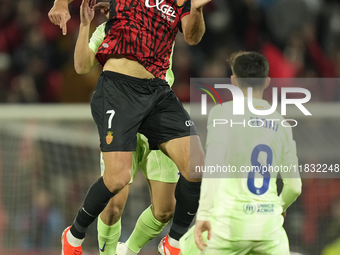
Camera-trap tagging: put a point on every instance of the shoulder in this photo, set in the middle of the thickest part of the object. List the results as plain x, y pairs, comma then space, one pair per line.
221, 111
286, 126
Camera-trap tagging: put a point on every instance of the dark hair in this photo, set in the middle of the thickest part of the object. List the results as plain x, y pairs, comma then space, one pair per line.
251, 68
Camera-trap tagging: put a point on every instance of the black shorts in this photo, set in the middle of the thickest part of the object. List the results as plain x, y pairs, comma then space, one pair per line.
123, 105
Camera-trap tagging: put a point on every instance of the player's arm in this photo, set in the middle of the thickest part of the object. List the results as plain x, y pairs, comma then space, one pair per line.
292, 184
214, 156
204, 210
209, 188
84, 56
215, 152
59, 14
290, 192
193, 25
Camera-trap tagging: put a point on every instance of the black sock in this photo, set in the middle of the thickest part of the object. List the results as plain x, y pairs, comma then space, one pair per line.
94, 203
187, 195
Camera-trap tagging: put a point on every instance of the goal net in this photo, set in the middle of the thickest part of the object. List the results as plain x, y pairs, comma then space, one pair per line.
49, 156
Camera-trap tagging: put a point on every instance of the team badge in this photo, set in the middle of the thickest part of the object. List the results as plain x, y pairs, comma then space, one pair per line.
180, 2
109, 137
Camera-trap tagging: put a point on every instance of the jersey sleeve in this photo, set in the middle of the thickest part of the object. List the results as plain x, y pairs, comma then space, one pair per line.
289, 156
97, 37
186, 8
291, 179
209, 187
215, 151
185, 11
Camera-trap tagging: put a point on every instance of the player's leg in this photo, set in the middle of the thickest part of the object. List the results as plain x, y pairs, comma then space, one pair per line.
109, 223
163, 200
153, 219
187, 153
115, 178
162, 175
117, 131
169, 127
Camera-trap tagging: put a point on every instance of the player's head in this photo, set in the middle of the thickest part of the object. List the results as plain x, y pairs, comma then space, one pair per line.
250, 69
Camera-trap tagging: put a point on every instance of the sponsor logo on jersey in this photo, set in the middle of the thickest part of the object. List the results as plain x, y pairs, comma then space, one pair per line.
109, 137
168, 12
258, 208
249, 208
265, 208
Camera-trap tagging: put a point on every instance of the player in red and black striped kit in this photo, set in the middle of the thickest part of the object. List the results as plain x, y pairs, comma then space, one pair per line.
132, 96
144, 31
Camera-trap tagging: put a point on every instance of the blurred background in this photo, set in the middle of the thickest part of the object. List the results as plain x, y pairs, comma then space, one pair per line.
49, 151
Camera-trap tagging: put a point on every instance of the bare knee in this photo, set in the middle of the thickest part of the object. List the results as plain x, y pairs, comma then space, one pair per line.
189, 171
163, 215
118, 168
116, 183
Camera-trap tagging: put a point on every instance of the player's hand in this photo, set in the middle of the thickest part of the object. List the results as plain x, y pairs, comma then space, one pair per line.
198, 4
200, 227
87, 11
59, 15
104, 8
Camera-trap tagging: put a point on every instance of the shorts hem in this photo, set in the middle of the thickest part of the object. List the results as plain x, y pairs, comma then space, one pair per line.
117, 150
154, 145
167, 140
161, 181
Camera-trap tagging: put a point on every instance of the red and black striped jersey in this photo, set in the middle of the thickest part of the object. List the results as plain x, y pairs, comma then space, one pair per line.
143, 30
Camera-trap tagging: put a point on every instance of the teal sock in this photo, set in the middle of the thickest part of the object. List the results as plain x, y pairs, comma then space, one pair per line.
147, 227
108, 237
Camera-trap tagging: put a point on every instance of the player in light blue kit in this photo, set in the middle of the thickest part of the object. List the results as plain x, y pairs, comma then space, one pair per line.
245, 215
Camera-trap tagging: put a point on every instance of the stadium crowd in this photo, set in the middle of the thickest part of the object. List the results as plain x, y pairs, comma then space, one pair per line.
300, 38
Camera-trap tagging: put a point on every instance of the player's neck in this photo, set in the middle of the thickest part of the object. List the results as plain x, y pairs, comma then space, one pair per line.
258, 94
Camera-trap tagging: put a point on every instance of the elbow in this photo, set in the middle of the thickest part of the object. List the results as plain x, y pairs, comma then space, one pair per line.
192, 41
80, 69
297, 190
193, 38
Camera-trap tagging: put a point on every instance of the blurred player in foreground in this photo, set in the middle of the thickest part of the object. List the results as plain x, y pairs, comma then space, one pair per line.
245, 215
159, 170
132, 96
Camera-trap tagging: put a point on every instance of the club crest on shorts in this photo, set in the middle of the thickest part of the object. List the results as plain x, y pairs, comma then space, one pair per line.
109, 137
180, 2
